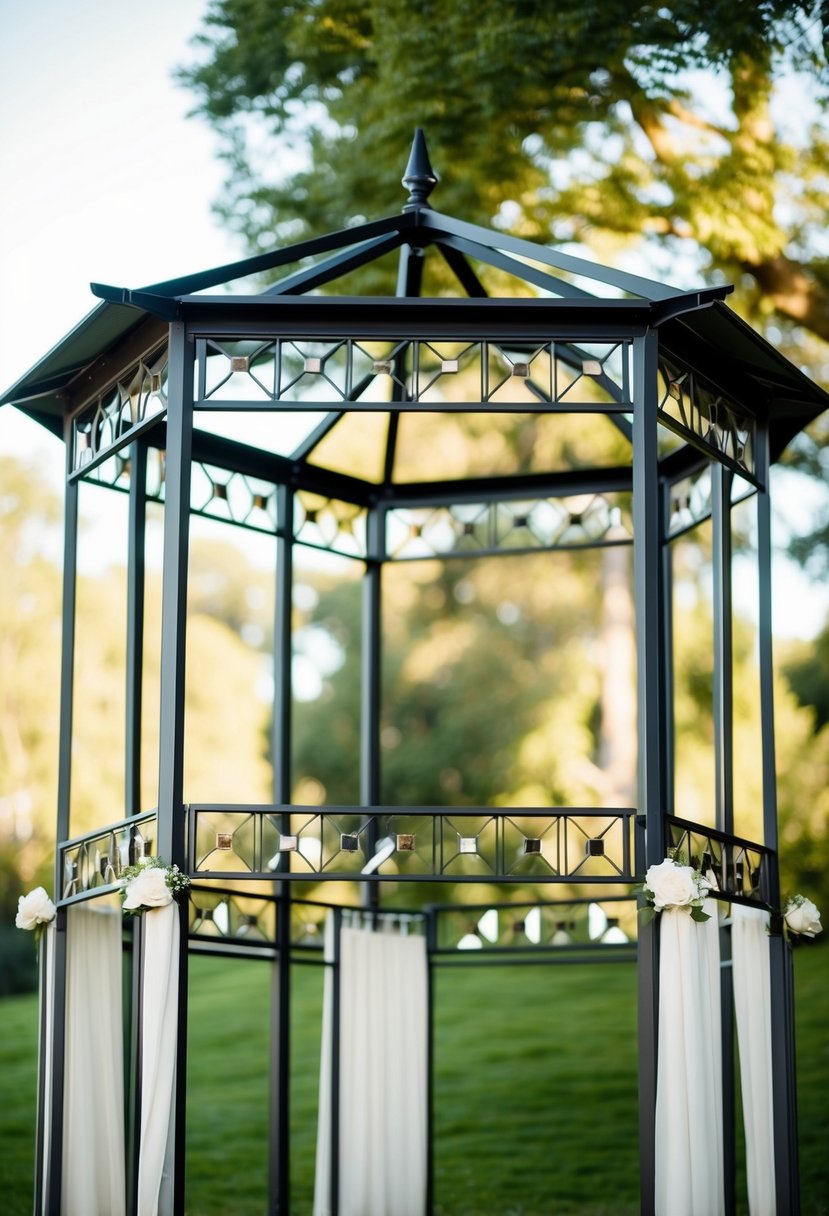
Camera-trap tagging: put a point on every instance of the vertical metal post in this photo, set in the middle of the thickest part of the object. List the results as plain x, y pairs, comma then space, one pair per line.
409, 271
371, 681
782, 1024
648, 540
54, 1137
721, 479
135, 625
171, 812
133, 1129
721, 482
668, 658
279, 1181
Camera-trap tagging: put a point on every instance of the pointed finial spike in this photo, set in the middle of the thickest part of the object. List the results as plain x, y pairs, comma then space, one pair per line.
420, 178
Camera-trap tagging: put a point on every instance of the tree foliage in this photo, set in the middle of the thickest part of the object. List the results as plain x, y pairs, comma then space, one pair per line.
696, 126
693, 134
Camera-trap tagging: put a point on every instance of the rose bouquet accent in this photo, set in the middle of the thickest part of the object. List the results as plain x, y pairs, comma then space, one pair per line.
150, 884
802, 917
671, 885
34, 912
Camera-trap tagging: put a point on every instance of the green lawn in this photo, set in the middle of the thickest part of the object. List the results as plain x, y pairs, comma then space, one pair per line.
535, 1090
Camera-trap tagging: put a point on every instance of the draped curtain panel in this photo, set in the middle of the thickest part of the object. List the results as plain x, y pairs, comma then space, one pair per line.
752, 1008
689, 1131
45, 1070
383, 983
93, 1108
159, 1039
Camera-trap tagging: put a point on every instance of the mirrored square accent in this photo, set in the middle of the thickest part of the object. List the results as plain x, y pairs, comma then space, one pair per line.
532, 846
224, 840
591, 367
521, 370
449, 366
349, 843
287, 844
595, 847
406, 843
381, 367
239, 363
313, 365
468, 844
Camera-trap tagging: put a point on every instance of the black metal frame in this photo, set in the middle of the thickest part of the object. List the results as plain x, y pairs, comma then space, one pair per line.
129, 386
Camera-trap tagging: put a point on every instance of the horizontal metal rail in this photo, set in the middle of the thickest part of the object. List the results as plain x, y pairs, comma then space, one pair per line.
411, 844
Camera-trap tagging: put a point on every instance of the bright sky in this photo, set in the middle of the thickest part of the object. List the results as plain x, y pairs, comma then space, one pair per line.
105, 179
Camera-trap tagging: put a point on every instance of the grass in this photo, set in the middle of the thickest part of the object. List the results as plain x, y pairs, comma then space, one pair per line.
535, 1090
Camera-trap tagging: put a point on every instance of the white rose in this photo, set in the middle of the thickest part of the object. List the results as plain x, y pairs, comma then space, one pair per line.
803, 917
34, 909
672, 885
148, 889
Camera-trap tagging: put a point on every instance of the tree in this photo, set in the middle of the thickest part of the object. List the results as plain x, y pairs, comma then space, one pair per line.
693, 133
697, 127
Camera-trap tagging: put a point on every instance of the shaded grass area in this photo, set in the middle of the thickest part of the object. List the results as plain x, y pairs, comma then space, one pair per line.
535, 1089
18, 1102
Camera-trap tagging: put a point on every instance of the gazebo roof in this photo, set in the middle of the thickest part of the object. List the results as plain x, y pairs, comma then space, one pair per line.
695, 326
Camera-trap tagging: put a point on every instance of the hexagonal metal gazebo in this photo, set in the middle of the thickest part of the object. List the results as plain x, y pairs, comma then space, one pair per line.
238, 407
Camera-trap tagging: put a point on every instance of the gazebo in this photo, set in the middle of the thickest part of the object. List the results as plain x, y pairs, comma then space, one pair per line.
229, 406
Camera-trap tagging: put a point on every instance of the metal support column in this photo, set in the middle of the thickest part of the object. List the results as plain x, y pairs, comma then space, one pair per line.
371, 681
721, 483
135, 625
279, 1180
669, 729
782, 1020
49, 1157
132, 782
171, 815
648, 540
721, 479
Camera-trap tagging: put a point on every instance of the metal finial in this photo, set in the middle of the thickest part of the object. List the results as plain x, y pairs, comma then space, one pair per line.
420, 178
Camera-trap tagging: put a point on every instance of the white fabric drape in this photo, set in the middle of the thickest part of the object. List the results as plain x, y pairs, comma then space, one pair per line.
93, 1101
689, 1154
159, 1039
47, 1022
752, 1008
383, 982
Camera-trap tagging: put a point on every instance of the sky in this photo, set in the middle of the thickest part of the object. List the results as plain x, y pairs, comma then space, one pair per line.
105, 179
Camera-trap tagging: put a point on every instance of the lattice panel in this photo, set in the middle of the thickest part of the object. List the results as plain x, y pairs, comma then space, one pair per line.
739, 867
100, 858
702, 413
329, 523
137, 397
690, 502
434, 844
234, 497
569, 925
306, 372
231, 916
543, 523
